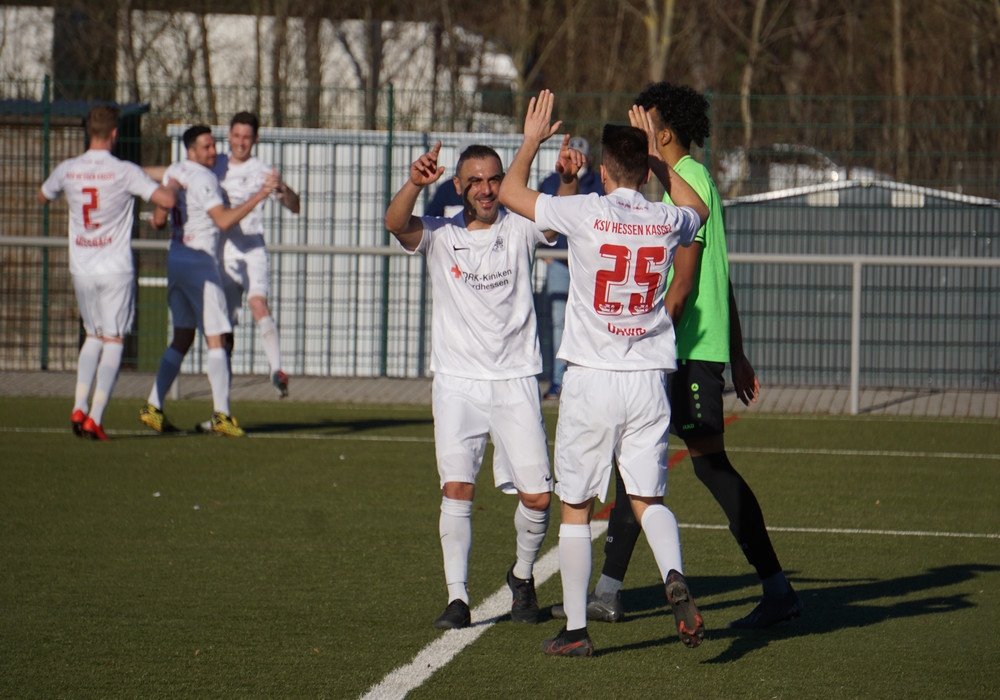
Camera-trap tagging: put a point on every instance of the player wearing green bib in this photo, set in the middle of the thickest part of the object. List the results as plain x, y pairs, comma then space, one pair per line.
703, 328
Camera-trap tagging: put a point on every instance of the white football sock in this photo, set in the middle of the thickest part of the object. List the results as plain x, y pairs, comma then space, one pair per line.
170, 367
530, 526
575, 561
455, 527
86, 367
107, 375
217, 369
660, 526
269, 339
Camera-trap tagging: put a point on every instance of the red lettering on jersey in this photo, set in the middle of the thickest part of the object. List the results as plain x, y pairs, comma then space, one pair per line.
628, 332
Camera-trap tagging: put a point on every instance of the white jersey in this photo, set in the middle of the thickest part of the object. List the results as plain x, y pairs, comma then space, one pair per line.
241, 182
99, 190
620, 248
192, 230
484, 314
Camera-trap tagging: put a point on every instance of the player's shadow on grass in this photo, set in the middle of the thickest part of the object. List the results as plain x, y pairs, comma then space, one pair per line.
330, 426
830, 605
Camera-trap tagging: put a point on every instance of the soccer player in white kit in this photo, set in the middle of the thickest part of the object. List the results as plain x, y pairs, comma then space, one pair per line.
619, 345
194, 281
485, 358
100, 193
244, 257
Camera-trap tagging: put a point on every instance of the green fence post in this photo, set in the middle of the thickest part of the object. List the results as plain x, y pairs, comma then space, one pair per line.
46, 133
386, 186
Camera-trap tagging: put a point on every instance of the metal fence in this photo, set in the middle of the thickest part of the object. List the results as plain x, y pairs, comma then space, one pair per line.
349, 305
878, 321
917, 270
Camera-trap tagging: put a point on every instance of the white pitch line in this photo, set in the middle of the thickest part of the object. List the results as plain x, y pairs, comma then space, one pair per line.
429, 440
858, 531
862, 453
435, 655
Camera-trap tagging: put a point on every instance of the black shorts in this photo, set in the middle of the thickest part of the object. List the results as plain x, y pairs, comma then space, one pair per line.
695, 392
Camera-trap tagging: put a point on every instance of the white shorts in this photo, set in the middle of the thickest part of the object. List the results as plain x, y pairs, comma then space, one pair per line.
107, 303
245, 269
507, 410
605, 414
195, 296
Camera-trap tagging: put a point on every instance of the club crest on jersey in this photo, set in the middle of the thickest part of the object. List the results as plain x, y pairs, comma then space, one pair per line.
498, 244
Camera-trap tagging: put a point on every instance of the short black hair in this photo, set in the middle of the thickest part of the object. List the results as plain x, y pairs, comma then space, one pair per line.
248, 118
625, 154
475, 152
192, 134
680, 109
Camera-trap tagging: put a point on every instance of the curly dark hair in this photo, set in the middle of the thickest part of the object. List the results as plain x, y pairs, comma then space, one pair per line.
679, 108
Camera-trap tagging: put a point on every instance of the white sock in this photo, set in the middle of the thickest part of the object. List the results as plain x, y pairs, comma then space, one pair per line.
107, 375
575, 561
664, 538
269, 339
217, 369
170, 367
530, 526
455, 527
86, 367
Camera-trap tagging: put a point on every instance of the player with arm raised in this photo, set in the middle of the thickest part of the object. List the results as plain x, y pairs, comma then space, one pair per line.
708, 335
100, 191
485, 358
619, 346
194, 282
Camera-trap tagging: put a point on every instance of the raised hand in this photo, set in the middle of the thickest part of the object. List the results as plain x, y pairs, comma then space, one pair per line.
570, 161
538, 126
641, 119
425, 169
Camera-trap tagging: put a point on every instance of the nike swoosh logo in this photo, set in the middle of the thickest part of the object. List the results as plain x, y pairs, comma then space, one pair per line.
457, 248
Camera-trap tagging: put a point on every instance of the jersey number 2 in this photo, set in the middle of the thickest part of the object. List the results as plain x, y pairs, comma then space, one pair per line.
88, 207
607, 280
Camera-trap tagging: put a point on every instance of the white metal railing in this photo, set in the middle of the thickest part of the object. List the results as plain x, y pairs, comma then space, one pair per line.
855, 262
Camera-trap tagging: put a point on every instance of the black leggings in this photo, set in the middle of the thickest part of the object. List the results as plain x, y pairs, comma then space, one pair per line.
746, 521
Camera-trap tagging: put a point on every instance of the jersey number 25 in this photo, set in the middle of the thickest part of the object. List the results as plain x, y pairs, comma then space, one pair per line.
624, 270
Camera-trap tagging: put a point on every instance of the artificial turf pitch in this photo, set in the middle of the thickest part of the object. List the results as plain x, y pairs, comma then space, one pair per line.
303, 561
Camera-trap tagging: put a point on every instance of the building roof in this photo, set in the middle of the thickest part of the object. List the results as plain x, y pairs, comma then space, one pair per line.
863, 192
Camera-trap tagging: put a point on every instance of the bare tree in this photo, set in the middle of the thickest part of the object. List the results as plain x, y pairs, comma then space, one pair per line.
206, 67
279, 39
311, 19
658, 19
367, 61
900, 112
